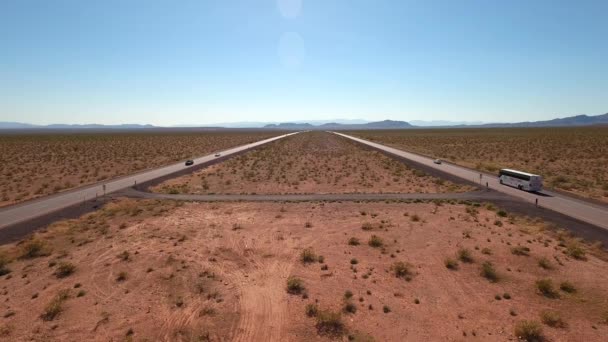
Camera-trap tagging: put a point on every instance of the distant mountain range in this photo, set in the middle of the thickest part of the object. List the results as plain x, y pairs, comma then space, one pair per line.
578, 120
344, 124
386, 124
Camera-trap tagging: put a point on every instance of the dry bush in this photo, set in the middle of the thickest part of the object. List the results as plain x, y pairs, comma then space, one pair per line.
529, 331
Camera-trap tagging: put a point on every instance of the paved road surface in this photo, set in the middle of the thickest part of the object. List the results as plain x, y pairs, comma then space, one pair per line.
473, 196
594, 214
38, 207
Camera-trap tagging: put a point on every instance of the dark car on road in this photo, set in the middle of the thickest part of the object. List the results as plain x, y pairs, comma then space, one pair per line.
189, 162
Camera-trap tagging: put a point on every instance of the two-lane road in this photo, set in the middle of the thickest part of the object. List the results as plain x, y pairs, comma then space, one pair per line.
49, 204
596, 215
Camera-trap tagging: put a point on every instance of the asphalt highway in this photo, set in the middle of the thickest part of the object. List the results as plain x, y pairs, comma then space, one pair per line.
35, 208
591, 213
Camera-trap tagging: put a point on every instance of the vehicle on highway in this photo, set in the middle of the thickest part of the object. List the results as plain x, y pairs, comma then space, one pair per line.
189, 162
218, 154
521, 180
437, 161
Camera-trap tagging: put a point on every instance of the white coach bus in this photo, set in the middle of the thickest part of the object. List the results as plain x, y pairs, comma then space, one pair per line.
521, 180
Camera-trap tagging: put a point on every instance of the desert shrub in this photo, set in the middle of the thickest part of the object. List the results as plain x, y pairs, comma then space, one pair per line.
64, 269
520, 250
353, 241
501, 213
55, 306
122, 276
308, 256
354, 261
529, 331
4, 261
34, 248
375, 241
348, 294
552, 319
330, 323
367, 226
567, 287
576, 251
486, 251
124, 256
464, 255
488, 272
349, 308
545, 287
402, 270
386, 309
451, 264
545, 263
415, 218
294, 285
311, 310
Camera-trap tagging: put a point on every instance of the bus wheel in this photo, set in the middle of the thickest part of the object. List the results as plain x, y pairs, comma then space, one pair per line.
500, 182
520, 187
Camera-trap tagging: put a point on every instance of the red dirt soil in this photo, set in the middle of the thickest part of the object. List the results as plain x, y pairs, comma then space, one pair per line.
218, 271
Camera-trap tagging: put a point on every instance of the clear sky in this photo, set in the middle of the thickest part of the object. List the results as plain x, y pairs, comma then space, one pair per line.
199, 62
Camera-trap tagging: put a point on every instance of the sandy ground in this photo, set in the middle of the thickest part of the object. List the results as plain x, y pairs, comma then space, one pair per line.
218, 271
312, 162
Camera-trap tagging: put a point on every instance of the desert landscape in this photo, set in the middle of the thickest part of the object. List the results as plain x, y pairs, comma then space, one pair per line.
147, 270
572, 159
297, 171
309, 162
36, 164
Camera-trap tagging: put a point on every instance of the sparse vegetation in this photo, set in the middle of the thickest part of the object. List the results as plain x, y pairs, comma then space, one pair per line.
546, 288
34, 248
312, 310
64, 269
75, 159
308, 256
402, 270
375, 241
465, 255
552, 319
567, 287
330, 324
295, 285
545, 263
55, 306
451, 264
353, 241
488, 272
529, 331
520, 250
122, 276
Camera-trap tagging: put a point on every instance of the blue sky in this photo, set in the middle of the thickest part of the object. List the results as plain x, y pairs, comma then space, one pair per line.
199, 62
